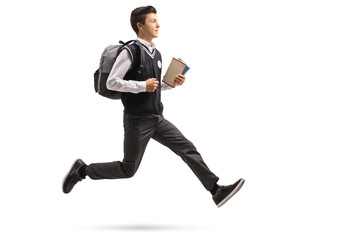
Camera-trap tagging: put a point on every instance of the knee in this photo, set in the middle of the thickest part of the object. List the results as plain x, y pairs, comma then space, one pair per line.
130, 171
189, 149
130, 174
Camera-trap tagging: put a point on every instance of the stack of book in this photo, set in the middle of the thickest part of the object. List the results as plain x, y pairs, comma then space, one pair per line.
177, 66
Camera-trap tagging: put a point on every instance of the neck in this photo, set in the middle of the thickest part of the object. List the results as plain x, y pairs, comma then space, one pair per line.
148, 39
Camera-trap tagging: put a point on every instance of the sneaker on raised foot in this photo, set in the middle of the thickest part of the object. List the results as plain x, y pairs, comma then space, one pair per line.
73, 176
224, 193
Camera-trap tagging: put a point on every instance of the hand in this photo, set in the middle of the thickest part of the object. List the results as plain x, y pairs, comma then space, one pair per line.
179, 79
151, 84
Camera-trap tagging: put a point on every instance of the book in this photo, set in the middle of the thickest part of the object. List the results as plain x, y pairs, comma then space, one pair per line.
176, 67
186, 67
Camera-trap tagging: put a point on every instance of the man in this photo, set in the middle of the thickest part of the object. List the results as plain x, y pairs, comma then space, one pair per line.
143, 119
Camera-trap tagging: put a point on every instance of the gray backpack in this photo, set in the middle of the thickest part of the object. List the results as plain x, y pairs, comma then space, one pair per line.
108, 58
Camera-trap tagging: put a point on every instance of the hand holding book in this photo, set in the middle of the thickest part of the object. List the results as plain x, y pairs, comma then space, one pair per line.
179, 79
174, 74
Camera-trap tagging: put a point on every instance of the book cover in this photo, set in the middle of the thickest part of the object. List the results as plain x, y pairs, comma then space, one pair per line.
176, 67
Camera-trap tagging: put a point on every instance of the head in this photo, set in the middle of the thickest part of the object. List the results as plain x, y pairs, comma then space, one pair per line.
144, 22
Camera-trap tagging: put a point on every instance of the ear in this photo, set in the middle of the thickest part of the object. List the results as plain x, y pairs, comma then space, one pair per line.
139, 25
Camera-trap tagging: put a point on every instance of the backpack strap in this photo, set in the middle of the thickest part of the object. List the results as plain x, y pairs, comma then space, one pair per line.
142, 56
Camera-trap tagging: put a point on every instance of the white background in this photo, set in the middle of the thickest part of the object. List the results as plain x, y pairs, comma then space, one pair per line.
272, 96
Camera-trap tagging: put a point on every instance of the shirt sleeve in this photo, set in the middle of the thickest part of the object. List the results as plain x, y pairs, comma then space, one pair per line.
165, 87
116, 80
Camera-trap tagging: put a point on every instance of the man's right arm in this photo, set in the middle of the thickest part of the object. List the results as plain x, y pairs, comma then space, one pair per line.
116, 80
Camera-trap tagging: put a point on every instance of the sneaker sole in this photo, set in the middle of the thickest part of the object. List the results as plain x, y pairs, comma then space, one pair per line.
238, 187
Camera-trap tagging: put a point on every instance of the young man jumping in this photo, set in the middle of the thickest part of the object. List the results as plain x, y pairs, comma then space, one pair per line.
143, 115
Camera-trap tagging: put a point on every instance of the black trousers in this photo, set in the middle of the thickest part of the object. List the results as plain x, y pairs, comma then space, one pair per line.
138, 131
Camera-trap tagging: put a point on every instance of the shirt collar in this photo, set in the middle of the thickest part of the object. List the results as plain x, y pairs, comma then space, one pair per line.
150, 46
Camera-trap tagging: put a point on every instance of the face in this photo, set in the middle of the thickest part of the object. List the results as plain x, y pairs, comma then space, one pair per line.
151, 28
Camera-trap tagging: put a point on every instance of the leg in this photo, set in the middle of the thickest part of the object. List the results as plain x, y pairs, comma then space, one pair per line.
168, 135
138, 131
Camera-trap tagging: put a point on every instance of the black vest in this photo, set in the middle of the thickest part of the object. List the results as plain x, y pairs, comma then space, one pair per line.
144, 103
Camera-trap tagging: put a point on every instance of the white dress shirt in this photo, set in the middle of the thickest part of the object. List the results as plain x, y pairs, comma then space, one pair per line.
121, 66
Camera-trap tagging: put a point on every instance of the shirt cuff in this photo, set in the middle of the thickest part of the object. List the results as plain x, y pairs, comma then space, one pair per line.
142, 86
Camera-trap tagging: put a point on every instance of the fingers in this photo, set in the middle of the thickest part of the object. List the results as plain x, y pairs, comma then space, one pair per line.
151, 85
155, 84
179, 79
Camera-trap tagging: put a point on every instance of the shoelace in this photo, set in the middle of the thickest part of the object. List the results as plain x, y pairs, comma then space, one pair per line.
225, 187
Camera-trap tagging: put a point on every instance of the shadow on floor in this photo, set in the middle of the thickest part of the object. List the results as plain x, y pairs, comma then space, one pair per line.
145, 227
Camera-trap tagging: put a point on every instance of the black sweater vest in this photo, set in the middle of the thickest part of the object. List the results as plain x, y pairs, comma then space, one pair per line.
144, 103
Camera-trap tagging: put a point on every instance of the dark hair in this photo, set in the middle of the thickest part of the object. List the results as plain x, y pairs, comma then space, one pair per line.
139, 15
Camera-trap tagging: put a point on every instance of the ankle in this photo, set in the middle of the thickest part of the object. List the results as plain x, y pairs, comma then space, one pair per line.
214, 189
83, 171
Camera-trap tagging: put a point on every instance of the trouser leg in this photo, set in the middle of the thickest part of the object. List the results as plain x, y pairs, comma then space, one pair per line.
137, 133
168, 135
